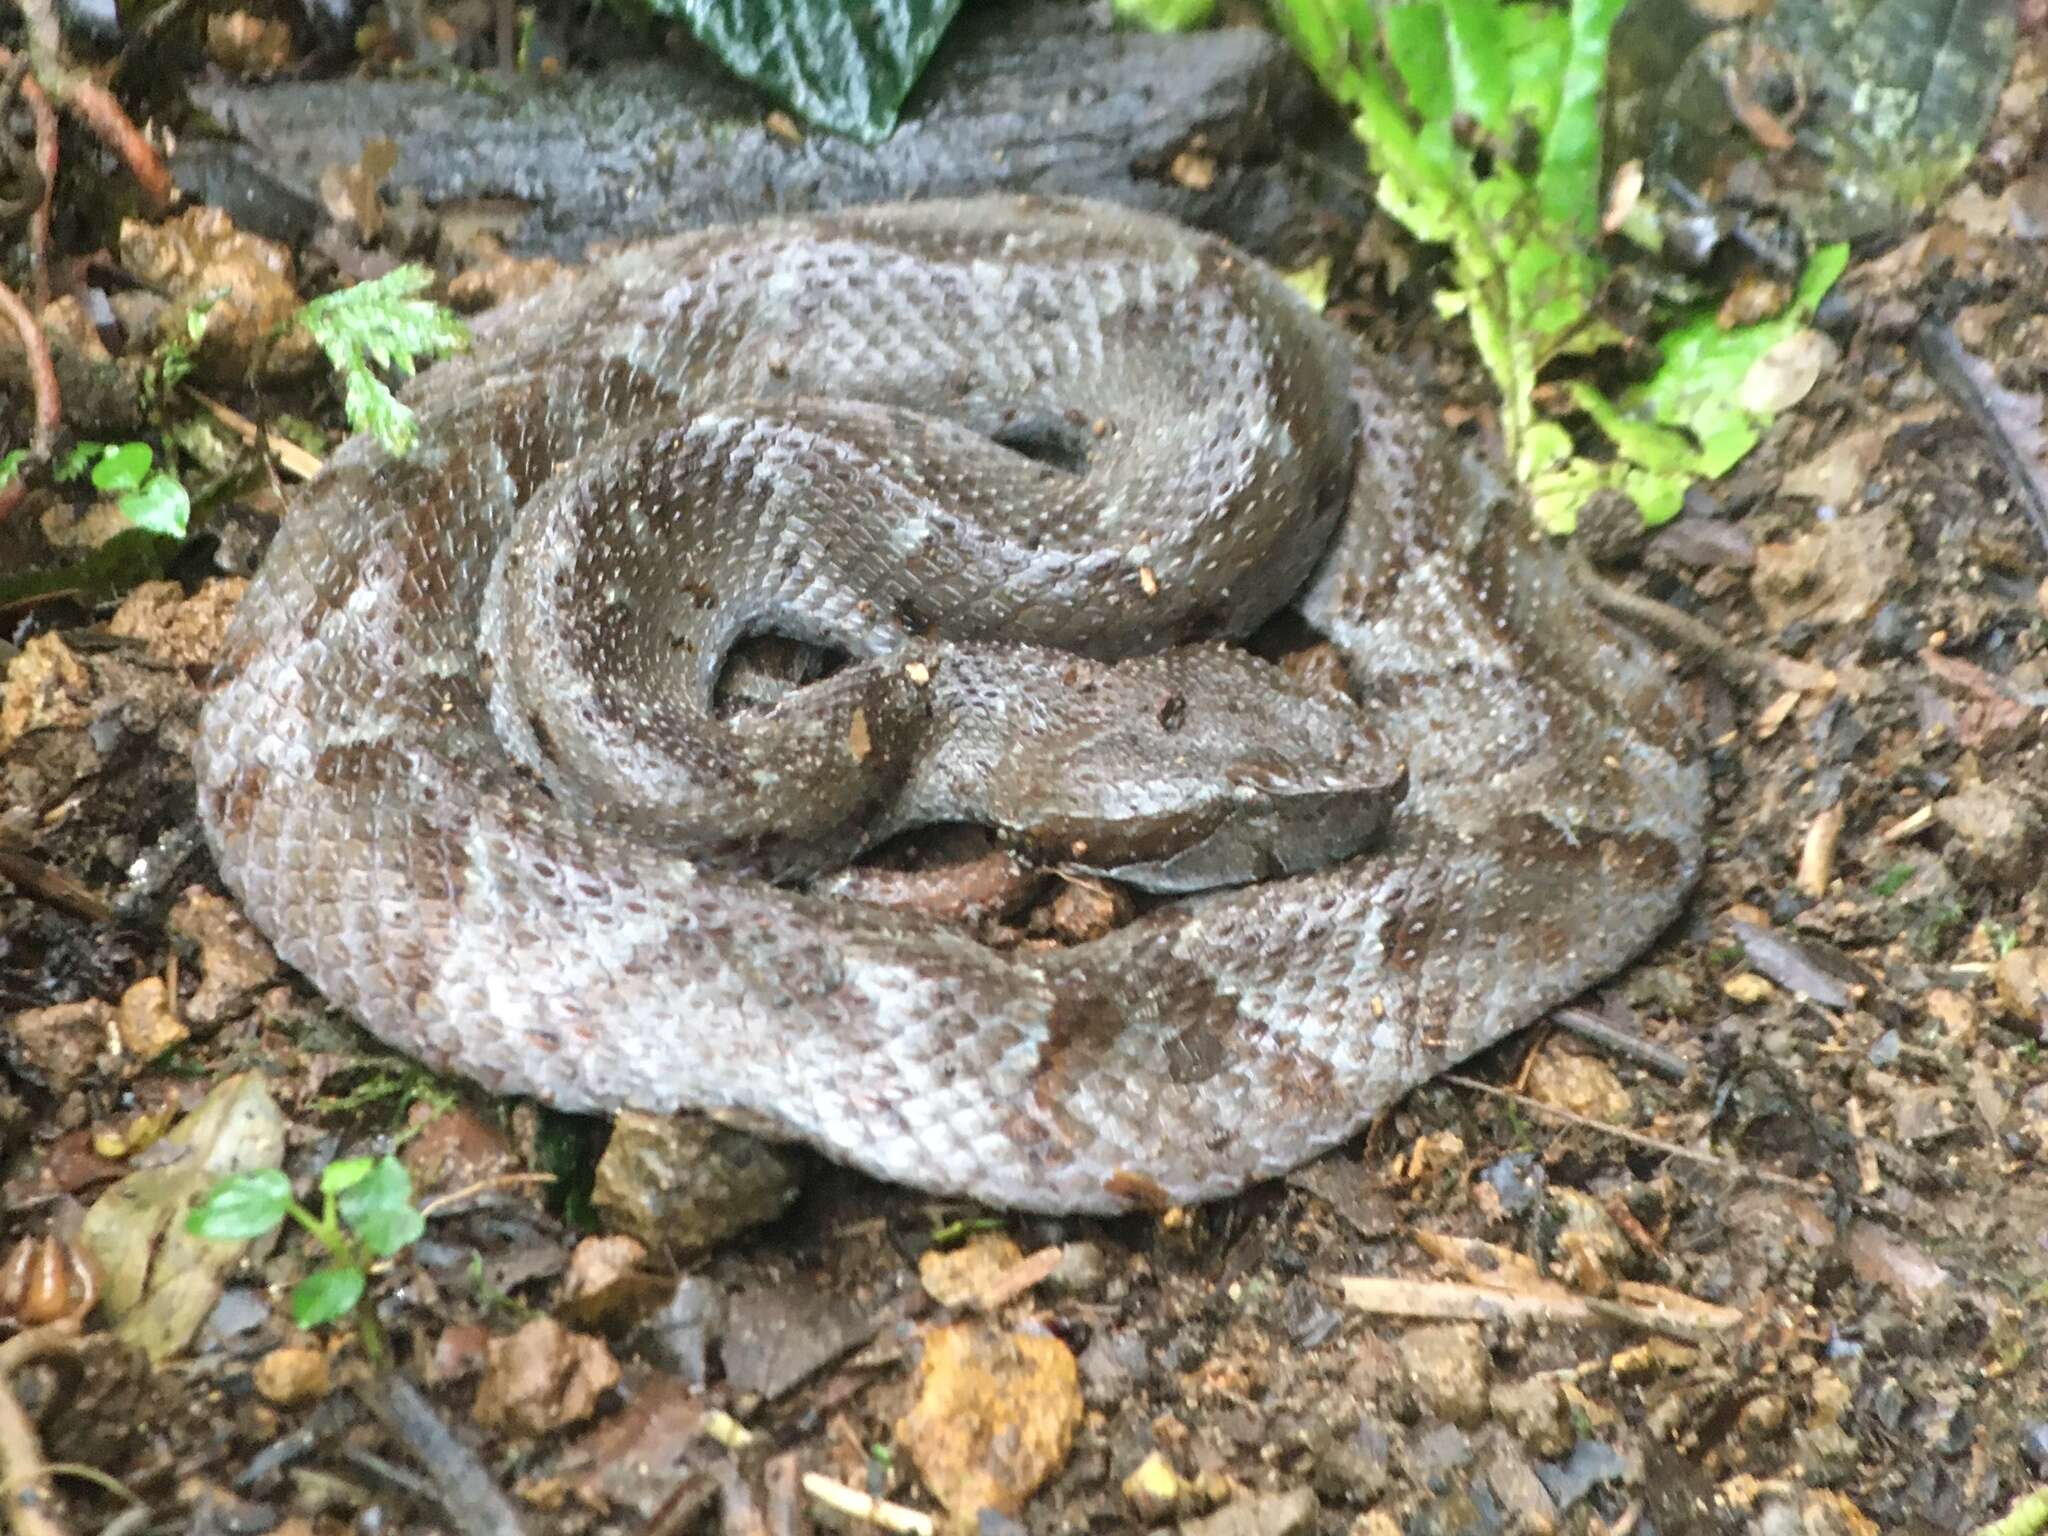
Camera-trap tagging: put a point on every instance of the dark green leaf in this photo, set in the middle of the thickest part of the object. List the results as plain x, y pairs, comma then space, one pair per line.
843, 64
1569, 179
1164, 15
327, 1294
1479, 63
378, 1208
122, 468
241, 1206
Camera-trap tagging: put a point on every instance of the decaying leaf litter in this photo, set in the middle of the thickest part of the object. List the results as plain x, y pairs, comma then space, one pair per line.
1799, 1288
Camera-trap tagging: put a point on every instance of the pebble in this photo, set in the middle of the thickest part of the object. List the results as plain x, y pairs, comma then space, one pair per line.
1536, 1413
995, 1416
1446, 1368
291, 1376
1259, 1514
1997, 836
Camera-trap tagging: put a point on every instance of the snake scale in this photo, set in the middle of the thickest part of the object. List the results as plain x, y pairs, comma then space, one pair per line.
1021, 467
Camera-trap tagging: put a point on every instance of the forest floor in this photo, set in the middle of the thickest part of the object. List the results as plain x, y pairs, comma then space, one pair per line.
1804, 1288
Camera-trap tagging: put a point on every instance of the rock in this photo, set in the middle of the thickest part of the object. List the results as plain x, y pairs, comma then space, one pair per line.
148, 1021
60, 1046
1590, 1248
1762, 1417
1591, 1463
1536, 1412
1883, 1258
2021, 977
247, 284
1154, 1490
1354, 1469
959, 1277
1259, 1514
1583, 1084
678, 1338
1836, 572
684, 1183
1515, 1483
1082, 1271
636, 1459
179, 631
2034, 1447
1996, 836
46, 688
1084, 910
1512, 1185
1446, 1368
235, 962
608, 1283
541, 1378
1116, 1363
453, 1149
776, 1335
291, 1376
995, 1416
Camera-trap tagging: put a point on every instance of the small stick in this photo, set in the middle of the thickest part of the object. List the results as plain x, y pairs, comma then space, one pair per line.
1817, 854
53, 887
1668, 1148
1588, 1025
859, 1506
1456, 1301
25, 1501
42, 373
294, 460
1971, 383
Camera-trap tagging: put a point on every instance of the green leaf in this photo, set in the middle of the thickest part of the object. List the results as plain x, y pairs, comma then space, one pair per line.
10, 466
1414, 36
81, 458
160, 504
380, 324
327, 1294
122, 468
344, 1172
1164, 15
241, 1206
1479, 63
1568, 182
846, 65
378, 1208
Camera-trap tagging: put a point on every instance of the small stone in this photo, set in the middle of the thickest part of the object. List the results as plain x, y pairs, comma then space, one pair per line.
1082, 1271
1997, 836
682, 1182
453, 1149
995, 1416
2034, 1447
235, 963
1116, 1363
1747, 988
148, 1020
1583, 1084
247, 284
46, 688
1590, 1248
1762, 1417
959, 1277
1259, 1514
1446, 1368
1085, 910
61, 1045
1878, 1257
182, 631
1154, 1490
543, 1377
2021, 977
1536, 1413
608, 1283
291, 1376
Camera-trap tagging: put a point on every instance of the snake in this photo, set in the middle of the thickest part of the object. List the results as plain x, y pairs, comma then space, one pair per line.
1031, 482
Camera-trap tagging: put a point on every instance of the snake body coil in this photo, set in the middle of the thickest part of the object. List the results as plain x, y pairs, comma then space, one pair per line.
1024, 465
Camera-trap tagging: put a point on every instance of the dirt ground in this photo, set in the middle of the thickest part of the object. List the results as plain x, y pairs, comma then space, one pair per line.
1802, 1287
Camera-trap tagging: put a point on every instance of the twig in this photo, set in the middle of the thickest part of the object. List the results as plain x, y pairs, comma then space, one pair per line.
473, 1502
727, 1430
1970, 382
1457, 1301
53, 887
92, 104
25, 1501
293, 459
484, 1186
859, 1506
1588, 1025
1668, 1148
42, 373
42, 165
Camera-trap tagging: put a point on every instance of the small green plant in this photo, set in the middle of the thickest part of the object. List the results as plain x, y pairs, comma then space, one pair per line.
366, 1213
382, 324
1482, 120
148, 497
1893, 880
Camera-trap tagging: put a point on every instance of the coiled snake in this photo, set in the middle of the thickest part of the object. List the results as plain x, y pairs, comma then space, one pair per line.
464, 763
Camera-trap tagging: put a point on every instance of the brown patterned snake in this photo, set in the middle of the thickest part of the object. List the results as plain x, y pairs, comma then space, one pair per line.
464, 765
